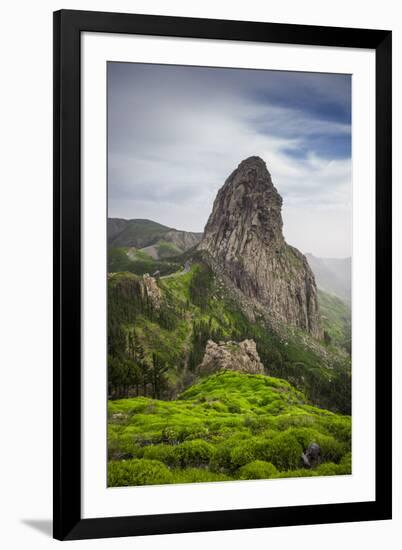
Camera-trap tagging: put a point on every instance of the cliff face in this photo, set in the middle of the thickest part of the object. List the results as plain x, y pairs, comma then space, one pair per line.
244, 237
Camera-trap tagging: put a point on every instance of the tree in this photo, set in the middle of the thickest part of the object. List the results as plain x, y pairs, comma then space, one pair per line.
157, 375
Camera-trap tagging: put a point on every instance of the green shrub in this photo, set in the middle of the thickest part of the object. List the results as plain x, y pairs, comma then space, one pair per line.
234, 407
216, 406
245, 452
331, 449
258, 469
284, 451
172, 434
276, 407
256, 424
221, 460
163, 453
137, 472
345, 465
339, 426
195, 452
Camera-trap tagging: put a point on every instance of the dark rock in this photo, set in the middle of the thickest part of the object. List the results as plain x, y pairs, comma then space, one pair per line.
312, 456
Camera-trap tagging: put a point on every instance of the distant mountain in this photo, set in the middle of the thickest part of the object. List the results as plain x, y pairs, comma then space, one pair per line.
333, 275
154, 239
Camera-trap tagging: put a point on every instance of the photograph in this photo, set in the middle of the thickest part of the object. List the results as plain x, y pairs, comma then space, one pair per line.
229, 274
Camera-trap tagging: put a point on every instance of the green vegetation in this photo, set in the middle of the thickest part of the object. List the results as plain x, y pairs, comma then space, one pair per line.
227, 426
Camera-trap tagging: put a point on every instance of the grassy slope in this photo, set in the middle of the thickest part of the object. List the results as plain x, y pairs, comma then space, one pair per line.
228, 426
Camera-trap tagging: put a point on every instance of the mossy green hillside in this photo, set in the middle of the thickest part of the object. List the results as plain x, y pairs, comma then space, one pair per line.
227, 426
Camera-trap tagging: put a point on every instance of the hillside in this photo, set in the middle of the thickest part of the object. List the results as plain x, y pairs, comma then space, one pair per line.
194, 307
228, 426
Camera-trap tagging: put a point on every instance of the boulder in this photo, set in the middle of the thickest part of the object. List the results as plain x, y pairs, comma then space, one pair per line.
311, 456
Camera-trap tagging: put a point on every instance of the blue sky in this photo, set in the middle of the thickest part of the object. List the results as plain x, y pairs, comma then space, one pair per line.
176, 133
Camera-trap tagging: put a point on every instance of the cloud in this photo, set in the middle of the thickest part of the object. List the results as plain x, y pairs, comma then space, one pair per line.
176, 133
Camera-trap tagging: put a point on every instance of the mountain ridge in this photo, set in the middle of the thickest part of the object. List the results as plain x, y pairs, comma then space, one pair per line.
144, 233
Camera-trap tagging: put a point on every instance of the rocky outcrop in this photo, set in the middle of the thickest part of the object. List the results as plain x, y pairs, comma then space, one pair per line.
244, 237
238, 356
151, 290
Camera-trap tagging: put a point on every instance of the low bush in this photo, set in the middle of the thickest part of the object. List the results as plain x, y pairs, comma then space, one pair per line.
345, 465
247, 451
258, 469
163, 453
137, 472
196, 452
284, 451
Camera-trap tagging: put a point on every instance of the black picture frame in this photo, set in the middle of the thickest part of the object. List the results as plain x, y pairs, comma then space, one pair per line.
68, 522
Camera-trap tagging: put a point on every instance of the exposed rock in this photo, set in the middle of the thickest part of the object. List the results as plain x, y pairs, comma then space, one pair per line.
152, 290
312, 456
238, 356
243, 236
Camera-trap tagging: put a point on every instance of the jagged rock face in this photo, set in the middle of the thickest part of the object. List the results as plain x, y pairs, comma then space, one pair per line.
151, 289
238, 356
244, 237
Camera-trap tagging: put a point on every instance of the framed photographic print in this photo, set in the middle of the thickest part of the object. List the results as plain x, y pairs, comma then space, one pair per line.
222, 270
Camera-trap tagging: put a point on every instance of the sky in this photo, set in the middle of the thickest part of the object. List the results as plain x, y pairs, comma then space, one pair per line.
175, 133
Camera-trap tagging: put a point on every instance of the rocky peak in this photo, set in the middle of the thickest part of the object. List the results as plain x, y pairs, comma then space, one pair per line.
244, 237
250, 204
